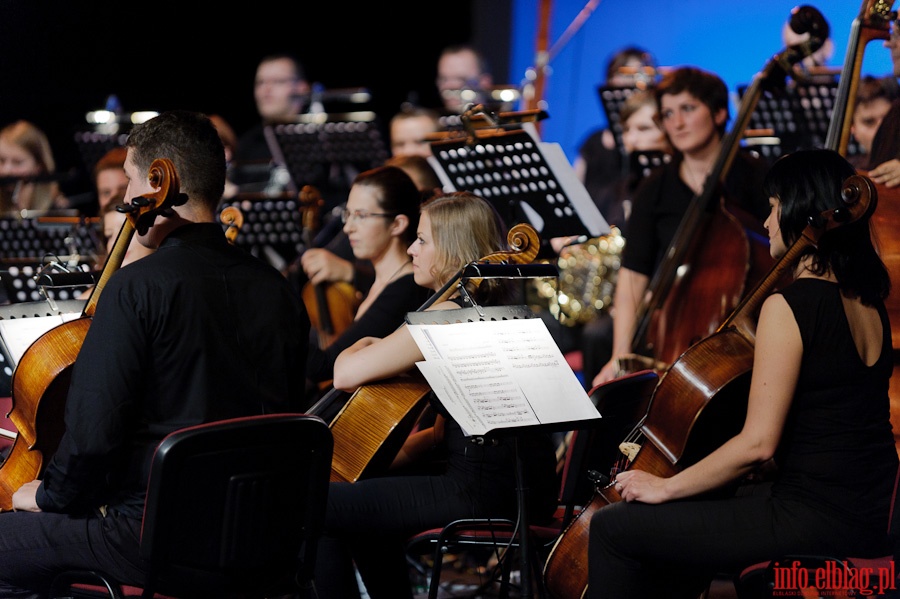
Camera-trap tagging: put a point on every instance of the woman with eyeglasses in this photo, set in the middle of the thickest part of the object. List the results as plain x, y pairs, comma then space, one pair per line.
380, 221
440, 474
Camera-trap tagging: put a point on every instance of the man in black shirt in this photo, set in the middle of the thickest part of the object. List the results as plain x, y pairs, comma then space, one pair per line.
198, 331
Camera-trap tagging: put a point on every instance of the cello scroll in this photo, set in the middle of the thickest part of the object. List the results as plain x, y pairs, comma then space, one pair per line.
233, 219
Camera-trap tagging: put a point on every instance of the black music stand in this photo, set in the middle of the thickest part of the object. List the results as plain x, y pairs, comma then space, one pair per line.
478, 313
611, 100
272, 229
797, 115
27, 238
328, 151
526, 180
92, 145
26, 245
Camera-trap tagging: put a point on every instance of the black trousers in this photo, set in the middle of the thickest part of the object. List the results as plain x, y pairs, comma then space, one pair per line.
35, 547
368, 523
673, 549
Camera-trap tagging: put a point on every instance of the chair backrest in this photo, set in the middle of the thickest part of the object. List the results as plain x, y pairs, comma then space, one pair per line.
237, 506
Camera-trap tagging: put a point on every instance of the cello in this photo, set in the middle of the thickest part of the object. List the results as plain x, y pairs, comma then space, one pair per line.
717, 252
41, 379
233, 219
331, 305
701, 401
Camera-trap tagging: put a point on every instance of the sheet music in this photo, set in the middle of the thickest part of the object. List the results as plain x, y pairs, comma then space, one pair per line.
574, 189
18, 334
500, 374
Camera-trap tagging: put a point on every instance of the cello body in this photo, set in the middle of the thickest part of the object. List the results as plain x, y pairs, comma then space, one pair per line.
39, 386
331, 305
685, 421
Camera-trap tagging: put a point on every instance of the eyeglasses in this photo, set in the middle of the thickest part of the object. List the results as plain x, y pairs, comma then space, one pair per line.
362, 215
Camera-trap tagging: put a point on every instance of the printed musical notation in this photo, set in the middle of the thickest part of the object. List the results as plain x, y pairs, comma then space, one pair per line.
500, 374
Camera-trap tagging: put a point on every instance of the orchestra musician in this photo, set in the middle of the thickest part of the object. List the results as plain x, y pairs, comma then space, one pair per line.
368, 521
380, 221
818, 405
884, 160
25, 152
694, 111
198, 331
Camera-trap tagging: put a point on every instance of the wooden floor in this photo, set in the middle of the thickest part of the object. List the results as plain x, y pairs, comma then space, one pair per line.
462, 578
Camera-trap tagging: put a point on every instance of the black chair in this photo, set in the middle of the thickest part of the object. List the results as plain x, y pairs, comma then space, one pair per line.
788, 574
234, 509
621, 403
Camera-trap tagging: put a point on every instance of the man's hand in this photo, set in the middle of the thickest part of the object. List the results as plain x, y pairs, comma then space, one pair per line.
24, 499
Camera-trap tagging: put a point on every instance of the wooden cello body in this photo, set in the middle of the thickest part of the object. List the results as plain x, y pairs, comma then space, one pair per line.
331, 306
700, 403
718, 252
40, 382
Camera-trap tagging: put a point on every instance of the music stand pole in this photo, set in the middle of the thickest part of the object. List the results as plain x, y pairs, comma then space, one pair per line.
525, 533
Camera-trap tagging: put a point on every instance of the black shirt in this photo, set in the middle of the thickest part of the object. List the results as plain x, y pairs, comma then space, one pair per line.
198, 331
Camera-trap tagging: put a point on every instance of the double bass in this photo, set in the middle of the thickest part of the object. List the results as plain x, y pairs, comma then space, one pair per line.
873, 23
717, 252
701, 402
41, 379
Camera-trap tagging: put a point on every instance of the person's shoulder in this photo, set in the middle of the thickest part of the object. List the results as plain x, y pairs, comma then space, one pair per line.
598, 140
751, 162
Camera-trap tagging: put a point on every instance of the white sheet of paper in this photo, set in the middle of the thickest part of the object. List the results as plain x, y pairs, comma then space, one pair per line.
500, 374
19, 333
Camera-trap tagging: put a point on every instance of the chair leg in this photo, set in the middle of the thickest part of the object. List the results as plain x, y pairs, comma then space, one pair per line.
435, 584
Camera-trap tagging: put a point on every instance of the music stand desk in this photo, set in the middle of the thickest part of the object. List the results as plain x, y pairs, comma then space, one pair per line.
481, 314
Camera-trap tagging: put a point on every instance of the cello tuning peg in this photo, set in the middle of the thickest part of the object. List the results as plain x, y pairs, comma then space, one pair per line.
841, 215
850, 192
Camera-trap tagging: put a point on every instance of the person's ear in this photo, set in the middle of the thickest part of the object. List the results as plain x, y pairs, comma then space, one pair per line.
721, 116
400, 224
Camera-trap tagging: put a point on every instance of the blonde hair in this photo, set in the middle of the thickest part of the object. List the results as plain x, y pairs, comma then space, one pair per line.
30, 138
465, 228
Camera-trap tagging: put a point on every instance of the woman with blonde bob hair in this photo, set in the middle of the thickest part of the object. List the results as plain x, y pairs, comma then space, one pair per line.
368, 521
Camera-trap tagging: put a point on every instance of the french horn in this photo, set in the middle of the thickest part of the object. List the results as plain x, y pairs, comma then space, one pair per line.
587, 280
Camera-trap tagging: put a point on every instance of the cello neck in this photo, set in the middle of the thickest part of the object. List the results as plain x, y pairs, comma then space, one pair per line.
113, 262
873, 22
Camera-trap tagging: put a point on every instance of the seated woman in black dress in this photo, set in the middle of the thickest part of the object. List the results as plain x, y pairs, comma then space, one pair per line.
818, 405
380, 221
